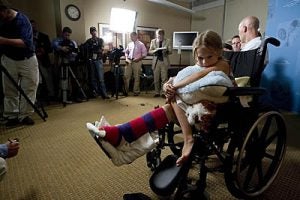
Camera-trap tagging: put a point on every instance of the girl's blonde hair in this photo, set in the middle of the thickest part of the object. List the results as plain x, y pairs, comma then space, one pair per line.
208, 39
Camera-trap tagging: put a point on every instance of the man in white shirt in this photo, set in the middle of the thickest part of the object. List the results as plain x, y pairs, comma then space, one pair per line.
248, 32
250, 36
134, 54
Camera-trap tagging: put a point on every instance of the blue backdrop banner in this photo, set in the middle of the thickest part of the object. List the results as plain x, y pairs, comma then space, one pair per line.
282, 75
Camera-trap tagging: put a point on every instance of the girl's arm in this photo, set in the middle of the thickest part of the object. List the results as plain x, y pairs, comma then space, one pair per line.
221, 65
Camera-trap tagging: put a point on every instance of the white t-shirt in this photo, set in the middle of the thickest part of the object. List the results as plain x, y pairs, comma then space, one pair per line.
252, 44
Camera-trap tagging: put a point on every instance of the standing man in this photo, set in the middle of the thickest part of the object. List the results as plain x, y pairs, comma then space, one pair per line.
42, 49
249, 33
65, 54
161, 48
134, 54
94, 49
19, 59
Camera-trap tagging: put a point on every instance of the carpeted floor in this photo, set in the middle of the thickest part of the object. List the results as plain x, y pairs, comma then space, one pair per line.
58, 158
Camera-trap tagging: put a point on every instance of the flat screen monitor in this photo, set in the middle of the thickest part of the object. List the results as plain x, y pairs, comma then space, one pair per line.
184, 40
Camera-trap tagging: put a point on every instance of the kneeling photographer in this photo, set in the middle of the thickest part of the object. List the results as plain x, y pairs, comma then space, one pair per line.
94, 55
66, 51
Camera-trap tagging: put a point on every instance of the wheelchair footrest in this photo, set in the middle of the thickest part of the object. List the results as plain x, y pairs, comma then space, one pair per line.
166, 177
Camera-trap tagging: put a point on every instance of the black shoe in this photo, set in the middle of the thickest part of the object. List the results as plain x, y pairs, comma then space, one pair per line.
105, 97
163, 96
136, 94
27, 121
12, 122
67, 102
95, 94
78, 100
156, 95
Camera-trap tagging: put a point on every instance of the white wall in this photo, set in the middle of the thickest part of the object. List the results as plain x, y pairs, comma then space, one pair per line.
235, 11
149, 14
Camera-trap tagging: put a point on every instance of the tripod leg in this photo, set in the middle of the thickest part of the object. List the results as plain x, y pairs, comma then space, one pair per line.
64, 84
22, 92
77, 82
117, 80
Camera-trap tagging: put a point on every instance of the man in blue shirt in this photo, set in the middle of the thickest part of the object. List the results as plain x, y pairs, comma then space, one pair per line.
19, 59
7, 150
65, 55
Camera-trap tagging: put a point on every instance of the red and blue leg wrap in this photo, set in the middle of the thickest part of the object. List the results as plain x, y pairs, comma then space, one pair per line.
134, 129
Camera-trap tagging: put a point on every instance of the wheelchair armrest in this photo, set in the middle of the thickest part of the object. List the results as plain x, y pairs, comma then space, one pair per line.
244, 91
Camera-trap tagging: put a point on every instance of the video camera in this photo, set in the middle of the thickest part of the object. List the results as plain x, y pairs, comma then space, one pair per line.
71, 54
116, 54
71, 46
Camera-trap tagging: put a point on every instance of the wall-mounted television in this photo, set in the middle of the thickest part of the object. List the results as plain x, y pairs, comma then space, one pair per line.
184, 40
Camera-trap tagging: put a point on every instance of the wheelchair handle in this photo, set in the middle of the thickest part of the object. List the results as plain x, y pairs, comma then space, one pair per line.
272, 41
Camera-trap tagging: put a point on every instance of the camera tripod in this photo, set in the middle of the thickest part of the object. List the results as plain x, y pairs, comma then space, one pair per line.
42, 114
64, 78
117, 72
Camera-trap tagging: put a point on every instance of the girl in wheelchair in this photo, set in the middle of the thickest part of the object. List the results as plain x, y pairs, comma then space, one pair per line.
126, 142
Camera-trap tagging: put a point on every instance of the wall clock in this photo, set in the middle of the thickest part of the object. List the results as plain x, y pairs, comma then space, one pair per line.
72, 12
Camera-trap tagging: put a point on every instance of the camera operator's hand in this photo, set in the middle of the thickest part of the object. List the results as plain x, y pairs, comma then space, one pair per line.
128, 60
12, 148
2, 40
65, 49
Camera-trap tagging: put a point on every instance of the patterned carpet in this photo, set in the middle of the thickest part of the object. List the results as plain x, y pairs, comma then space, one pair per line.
58, 158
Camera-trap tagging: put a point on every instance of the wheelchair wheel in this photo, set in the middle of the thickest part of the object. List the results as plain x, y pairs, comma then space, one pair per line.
253, 164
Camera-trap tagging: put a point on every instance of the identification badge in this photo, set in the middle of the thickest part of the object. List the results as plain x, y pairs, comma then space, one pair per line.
95, 56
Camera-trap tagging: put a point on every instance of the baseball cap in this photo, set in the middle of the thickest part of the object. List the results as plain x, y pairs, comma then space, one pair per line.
4, 4
92, 29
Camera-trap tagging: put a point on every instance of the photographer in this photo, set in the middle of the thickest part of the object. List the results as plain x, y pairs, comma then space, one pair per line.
94, 50
65, 54
43, 49
161, 48
20, 61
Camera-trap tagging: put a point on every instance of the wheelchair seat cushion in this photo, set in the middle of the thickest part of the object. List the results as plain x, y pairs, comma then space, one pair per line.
242, 81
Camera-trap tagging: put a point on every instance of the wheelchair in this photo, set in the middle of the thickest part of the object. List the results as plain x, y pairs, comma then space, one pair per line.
249, 141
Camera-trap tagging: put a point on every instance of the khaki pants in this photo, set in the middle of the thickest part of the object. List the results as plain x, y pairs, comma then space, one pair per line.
25, 73
160, 76
134, 68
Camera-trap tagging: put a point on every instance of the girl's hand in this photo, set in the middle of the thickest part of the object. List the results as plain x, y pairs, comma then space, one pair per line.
170, 91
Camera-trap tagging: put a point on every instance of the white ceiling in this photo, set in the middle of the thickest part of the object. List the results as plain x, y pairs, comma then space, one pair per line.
190, 6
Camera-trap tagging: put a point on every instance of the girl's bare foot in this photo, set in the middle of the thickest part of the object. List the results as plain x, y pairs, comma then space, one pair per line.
186, 151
